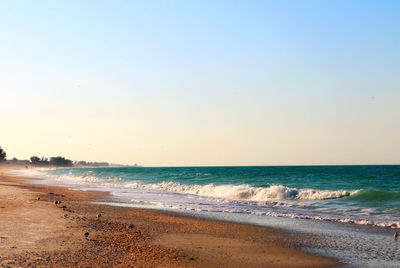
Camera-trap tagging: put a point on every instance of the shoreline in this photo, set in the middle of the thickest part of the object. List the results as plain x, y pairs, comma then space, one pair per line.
120, 236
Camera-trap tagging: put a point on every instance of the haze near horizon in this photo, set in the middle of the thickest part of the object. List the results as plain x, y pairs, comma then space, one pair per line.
182, 83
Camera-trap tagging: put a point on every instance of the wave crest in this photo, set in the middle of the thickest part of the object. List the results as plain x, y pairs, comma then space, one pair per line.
246, 192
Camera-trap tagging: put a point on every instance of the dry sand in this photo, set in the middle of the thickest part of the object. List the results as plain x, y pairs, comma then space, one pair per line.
36, 232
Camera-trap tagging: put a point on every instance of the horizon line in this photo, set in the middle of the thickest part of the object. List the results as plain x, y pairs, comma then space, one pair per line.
300, 165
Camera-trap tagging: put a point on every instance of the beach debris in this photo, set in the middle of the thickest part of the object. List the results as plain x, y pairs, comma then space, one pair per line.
118, 234
57, 202
395, 235
86, 234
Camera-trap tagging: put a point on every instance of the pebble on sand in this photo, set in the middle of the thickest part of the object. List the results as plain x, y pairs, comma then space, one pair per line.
86, 234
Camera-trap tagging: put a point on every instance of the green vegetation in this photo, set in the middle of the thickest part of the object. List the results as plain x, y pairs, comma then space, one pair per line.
39, 162
2, 155
57, 161
60, 162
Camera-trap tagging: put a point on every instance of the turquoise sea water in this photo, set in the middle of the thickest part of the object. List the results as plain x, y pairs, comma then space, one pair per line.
359, 194
351, 212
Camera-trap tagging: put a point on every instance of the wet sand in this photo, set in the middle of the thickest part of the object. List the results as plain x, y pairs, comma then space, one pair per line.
42, 226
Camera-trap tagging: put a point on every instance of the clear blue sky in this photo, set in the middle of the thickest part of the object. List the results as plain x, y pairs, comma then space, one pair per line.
201, 82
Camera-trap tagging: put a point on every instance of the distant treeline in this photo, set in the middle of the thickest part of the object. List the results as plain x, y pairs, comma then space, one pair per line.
60, 161
2, 155
57, 161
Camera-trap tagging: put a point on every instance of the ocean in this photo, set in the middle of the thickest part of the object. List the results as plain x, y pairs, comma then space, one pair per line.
334, 203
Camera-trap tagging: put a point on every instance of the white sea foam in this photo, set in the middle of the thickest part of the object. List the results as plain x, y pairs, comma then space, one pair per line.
275, 200
227, 191
42, 174
246, 192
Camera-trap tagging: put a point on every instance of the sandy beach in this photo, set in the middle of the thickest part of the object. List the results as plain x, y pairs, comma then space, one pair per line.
42, 226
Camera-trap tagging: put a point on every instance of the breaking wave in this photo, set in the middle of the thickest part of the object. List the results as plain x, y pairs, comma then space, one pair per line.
246, 192
226, 191
347, 206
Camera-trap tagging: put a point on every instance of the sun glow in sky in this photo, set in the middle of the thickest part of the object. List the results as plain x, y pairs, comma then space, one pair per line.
164, 83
